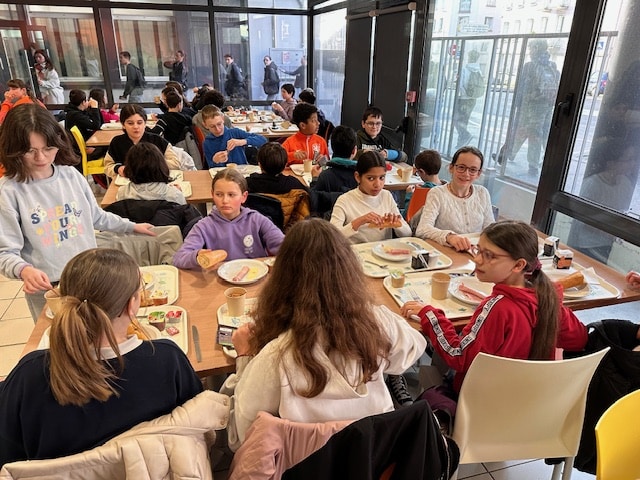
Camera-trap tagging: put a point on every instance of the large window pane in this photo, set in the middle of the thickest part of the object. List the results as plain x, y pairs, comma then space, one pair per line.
491, 81
248, 39
328, 58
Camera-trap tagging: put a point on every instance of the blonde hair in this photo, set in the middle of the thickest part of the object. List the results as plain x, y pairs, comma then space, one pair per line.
210, 111
96, 287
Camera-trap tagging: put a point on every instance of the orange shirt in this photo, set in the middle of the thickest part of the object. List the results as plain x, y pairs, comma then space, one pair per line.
7, 105
311, 144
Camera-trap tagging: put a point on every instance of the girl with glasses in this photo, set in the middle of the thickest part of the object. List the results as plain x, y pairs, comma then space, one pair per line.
459, 206
522, 318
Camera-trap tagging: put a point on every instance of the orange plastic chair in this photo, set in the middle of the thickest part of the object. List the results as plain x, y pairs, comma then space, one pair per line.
417, 201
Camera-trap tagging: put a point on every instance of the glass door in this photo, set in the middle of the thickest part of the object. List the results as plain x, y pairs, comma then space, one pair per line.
14, 54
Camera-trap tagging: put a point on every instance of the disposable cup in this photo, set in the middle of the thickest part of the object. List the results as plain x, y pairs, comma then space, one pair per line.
440, 285
308, 165
406, 174
236, 297
53, 299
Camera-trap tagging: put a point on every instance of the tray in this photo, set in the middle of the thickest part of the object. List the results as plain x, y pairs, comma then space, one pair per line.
371, 264
181, 338
245, 170
177, 175
280, 129
165, 278
597, 287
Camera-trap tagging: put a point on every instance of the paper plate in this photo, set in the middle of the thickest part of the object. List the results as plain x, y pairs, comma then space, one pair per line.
228, 270
471, 282
297, 169
384, 251
578, 292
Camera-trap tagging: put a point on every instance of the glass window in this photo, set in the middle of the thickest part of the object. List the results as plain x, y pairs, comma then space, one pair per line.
170, 2
247, 39
8, 12
497, 92
328, 59
281, 4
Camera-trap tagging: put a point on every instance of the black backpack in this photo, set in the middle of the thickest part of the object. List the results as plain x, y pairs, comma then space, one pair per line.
140, 80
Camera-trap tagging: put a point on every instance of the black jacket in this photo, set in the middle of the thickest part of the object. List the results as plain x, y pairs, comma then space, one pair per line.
87, 121
276, 184
271, 82
172, 126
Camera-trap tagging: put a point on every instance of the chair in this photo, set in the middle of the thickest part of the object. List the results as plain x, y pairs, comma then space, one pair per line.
268, 206
89, 167
617, 440
512, 409
417, 201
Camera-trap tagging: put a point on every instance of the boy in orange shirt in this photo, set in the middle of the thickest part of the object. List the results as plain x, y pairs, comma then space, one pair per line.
306, 143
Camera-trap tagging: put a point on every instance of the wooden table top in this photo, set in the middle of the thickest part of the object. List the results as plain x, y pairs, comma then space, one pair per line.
202, 293
102, 138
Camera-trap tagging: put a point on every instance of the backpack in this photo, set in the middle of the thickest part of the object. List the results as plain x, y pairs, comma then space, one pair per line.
475, 84
140, 80
545, 81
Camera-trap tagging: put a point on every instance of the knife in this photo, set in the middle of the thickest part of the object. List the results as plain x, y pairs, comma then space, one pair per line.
196, 342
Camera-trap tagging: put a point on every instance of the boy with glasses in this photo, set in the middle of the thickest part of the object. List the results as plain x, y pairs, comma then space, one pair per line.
370, 137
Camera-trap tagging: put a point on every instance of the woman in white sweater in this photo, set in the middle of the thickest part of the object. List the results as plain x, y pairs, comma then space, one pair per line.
458, 207
362, 213
319, 346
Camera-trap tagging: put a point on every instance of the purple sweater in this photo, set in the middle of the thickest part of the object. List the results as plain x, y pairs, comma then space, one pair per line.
249, 235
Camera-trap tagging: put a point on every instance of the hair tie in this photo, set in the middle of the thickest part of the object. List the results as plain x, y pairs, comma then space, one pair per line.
84, 301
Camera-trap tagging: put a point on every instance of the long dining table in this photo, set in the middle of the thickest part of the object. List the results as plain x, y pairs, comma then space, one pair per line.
202, 293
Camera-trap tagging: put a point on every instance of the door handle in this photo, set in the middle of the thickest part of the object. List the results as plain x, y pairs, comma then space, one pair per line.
563, 107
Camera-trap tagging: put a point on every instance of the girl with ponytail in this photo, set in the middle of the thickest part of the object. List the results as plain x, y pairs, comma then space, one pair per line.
95, 381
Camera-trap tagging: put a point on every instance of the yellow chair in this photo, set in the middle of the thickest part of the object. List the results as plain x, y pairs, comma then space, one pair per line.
89, 167
617, 440
520, 409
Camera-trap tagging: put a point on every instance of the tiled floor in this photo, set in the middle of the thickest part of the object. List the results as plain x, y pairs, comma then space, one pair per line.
15, 323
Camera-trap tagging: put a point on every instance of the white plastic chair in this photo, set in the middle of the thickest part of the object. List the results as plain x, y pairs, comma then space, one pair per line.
520, 409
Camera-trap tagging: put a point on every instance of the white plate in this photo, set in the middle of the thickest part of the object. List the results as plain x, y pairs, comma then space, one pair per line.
574, 292
380, 250
470, 282
257, 270
297, 169
111, 126
578, 292
230, 351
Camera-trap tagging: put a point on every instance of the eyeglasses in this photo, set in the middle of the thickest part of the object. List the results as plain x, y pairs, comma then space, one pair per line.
373, 124
487, 255
31, 153
464, 168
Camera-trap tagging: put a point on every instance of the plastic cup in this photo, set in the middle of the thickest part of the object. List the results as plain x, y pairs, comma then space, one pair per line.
406, 174
440, 285
433, 258
308, 165
236, 297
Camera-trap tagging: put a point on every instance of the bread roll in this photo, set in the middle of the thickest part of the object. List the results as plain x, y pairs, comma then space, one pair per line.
387, 224
210, 259
574, 280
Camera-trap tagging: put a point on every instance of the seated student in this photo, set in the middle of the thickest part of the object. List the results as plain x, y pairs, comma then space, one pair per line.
17, 93
371, 138
306, 143
85, 114
96, 380
338, 175
285, 108
225, 145
359, 213
318, 352
427, 164
458, 207
174, 124
146, 168
211, 97
134, 120
309, 96
107, 114
162, 103
240, 231
272, 158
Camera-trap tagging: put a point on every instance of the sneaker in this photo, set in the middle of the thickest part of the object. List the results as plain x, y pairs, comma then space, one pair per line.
397, 386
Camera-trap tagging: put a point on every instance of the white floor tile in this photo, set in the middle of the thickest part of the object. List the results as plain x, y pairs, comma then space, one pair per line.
493, 466
9, 357
471, 470
15, 331
17, 309
4, 304
533, 470
9, 289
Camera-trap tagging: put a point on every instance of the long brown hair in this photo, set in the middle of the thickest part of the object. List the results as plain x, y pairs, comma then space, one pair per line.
520, 240
96, 286
15, 138
317, 292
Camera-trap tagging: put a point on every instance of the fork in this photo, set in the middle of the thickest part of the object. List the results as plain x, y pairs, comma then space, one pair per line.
376, 264
414, 295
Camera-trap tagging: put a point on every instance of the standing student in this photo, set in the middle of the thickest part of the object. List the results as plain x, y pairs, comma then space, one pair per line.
234, 79
179, 71
134, 86
458, 207
470, 87
48, 212
271, 82
48, 79
240, 231
359, 213
301, 75
319, 346
225, 145
134, 121
306, 143
95, 380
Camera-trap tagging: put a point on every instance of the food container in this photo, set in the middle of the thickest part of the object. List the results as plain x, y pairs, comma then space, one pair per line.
562, 258
550, 246
397, 279
419, 259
